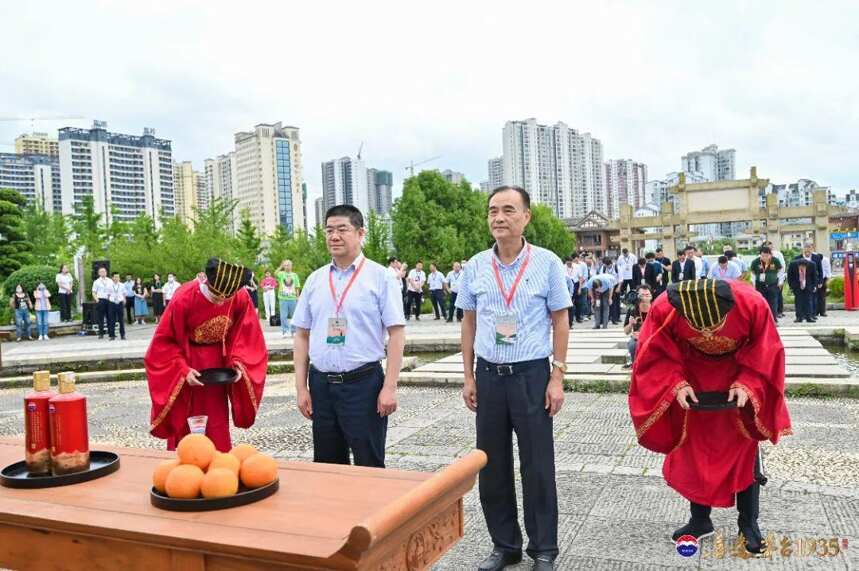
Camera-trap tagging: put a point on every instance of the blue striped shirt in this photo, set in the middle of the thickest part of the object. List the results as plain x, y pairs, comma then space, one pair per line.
607, 281
373, 304
542, 290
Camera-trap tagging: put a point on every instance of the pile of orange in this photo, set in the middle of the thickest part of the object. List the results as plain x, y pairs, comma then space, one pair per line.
200, 470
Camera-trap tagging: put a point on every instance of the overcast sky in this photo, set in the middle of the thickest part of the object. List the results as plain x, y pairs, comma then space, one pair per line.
777, 81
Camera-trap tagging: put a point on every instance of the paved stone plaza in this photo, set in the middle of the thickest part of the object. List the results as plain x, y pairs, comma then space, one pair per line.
616, 512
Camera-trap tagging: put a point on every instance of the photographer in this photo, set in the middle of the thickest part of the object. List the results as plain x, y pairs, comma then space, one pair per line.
635, 317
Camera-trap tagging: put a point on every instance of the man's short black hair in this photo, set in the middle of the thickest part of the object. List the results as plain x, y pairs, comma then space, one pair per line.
526, 198
730, 254
645, 287
723, 259
353, 214
419, 262
568, 259
658, 250
596, 284
766, 250
689, 247
625, 251
649, 256
115, 274
392, 259
575, 256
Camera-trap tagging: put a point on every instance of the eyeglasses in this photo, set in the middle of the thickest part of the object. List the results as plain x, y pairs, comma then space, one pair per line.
339, 230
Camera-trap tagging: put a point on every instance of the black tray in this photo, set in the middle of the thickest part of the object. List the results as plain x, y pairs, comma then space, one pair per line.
100, 464
218, 376
244, 497
712, 401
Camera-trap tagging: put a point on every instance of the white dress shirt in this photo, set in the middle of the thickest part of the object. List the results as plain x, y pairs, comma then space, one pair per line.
101, 288
419, 278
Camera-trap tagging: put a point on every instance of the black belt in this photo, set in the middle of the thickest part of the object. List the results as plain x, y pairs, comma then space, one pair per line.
348, 376
509, 369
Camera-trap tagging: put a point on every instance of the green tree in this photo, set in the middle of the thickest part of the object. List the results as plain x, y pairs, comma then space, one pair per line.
50, 234
136, 249
248, 242
548, 231
15, 250
436, 220
306, 251
376, 241
90, 232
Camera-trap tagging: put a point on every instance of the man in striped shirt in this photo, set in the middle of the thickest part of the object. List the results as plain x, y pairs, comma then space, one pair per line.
515, 300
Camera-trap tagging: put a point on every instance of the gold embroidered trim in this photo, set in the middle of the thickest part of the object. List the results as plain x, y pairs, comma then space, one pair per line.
212, 331
660, 410
716, 345
167, 407
757, 406
683, 432
249, 386
742, 427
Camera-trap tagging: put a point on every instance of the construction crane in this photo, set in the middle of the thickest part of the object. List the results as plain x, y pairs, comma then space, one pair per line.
33, 120
411, 166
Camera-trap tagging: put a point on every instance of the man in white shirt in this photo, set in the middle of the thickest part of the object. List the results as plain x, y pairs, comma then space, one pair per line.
724, 270
101, 288
65, 282
394, 268
451, 284
782, 276
117, 299
435, 282
625, 263
170, 288
821, 293
416, 280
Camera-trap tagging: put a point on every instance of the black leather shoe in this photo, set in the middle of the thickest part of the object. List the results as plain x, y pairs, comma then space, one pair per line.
498, 560
695, 528
543, 563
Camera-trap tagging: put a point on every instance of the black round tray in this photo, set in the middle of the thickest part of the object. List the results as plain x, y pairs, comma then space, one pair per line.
218, 376
243, 497
711, 401
100, 464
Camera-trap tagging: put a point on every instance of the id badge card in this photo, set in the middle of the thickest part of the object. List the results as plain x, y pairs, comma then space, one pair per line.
506, 328
336, 335
762, 277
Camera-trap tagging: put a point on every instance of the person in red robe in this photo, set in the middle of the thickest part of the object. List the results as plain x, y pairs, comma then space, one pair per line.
711, 339
209, 323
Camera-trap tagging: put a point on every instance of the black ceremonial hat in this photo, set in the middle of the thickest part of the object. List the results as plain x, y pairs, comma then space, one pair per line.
225, 279
704, 303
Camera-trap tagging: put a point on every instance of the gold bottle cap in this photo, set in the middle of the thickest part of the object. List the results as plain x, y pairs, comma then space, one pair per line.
66, 382
41, 380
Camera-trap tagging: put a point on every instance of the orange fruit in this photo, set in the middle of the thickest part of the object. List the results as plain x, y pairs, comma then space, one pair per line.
184, 481
228, 461
219, 483
196, 449
242, 451
258, 470
159, 476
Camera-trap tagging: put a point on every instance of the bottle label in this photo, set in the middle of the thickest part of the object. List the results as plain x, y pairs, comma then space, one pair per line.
69, 436
37, 429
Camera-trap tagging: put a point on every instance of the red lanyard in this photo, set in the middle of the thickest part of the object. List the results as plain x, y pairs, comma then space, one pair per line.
339, 304
508, 299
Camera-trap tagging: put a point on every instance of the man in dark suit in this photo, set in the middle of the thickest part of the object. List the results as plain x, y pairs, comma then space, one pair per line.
802, 280
683, 267
639, 269
810, 255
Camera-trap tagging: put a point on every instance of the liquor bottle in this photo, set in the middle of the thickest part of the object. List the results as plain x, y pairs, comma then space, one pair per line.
37, 424
69, 433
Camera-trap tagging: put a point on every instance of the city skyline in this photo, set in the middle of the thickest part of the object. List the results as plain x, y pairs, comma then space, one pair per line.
434, 99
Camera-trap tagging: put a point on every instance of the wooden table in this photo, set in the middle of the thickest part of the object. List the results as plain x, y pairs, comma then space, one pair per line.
323, 517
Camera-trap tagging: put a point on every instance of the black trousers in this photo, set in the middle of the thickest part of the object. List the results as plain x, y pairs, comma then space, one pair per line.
802, 302
437, 299
770, 293
781, 299
103, 313
517, 403
821, 298
345, 419
129, 309
414, 299
65, 306
452, 307
114, 316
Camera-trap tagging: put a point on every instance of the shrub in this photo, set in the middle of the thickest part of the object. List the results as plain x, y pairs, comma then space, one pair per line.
835, 287
29, 278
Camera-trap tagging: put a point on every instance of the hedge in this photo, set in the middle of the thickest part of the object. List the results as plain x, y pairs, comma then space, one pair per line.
29, 277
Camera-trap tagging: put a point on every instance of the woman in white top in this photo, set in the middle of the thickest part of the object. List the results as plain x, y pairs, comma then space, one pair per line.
43, 307
170, 288
65, 283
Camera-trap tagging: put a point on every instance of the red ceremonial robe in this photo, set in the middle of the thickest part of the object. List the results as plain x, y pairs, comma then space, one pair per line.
710, 454
196, 333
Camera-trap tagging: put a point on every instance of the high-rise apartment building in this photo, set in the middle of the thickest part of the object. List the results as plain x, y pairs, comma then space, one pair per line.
624, 181
380, 185
219, 175
268, 177
658, 191
496, 173
453, 176
344, 181
37, 144
711, 163
319, 210
36, 177
125, 174
557, 165
190, 190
